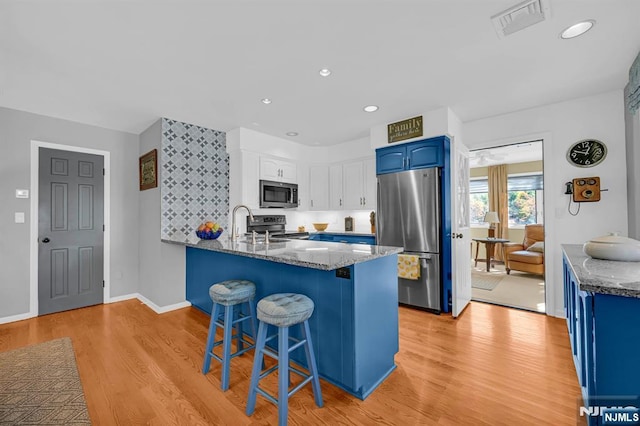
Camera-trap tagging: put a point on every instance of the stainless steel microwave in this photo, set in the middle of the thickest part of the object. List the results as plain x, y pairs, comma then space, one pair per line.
278, 194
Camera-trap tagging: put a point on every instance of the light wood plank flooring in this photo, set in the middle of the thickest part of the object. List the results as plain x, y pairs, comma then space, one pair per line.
492, 366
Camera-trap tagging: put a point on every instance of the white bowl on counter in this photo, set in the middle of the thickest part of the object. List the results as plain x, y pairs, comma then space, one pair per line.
613, 247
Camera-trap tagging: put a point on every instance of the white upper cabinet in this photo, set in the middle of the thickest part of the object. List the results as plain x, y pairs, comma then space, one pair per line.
336, 201
370, 194
304, 200
243, 179
318, 188
277, 170
359, 185
353, 184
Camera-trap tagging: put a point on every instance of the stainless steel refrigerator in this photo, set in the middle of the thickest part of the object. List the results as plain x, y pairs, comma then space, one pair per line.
409, 216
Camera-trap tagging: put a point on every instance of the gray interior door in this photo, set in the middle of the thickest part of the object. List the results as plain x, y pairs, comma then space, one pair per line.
70, 230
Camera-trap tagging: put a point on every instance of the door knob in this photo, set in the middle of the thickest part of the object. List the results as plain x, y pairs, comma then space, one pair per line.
45, 240
454, 235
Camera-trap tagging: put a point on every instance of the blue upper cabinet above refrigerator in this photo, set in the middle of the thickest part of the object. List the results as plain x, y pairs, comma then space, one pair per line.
391, 160
411, 156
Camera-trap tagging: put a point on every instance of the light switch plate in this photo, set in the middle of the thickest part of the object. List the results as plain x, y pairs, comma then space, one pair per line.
22, 193
19, 217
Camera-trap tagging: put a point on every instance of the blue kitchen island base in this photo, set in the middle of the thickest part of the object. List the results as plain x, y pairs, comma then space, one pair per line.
354, 326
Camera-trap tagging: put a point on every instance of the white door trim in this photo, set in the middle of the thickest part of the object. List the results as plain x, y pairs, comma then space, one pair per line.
33, 247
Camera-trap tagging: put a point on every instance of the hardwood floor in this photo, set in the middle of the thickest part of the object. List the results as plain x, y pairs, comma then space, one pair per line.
492, 366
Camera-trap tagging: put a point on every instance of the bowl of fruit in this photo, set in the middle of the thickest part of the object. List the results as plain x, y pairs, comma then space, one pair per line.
209, 231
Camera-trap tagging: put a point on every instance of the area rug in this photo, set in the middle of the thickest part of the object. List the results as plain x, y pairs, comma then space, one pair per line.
40, 385
485, 281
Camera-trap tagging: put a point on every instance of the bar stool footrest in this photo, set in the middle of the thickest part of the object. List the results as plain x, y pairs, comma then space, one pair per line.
300, 385
269, 371
249, 344
267, 395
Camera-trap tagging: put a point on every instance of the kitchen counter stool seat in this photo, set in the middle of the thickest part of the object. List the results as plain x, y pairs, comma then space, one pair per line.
283, 310
227, 295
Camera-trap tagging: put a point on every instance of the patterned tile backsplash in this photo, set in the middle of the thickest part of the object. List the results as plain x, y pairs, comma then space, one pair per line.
194, 178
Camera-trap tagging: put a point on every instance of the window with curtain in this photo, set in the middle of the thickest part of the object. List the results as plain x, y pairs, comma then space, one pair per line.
525, 199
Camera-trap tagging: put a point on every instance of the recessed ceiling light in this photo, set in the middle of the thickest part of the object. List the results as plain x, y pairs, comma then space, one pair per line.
292, 133
371, 108
266, 101
325, 72
577, 29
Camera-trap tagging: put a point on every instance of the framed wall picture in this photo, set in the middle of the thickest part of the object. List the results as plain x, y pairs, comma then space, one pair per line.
149, 170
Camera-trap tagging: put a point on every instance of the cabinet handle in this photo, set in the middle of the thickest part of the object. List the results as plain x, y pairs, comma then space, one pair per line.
311, 203
360, 200
340, 201
408, 162
364, 201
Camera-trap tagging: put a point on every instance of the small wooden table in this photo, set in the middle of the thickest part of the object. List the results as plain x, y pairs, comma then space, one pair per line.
490, 244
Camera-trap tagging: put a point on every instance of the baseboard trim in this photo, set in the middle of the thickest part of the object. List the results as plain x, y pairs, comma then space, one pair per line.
19, 317
162, 309
122, 298
157, 309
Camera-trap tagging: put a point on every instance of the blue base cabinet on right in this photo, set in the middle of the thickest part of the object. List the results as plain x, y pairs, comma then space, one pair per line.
604, 331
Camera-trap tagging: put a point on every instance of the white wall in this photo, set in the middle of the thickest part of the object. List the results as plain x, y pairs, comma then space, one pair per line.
560, 125
17, 129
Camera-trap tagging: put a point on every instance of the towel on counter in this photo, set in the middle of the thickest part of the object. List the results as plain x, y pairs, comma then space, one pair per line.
408, 266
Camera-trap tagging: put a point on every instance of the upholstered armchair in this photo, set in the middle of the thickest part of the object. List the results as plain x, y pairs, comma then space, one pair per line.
528, 256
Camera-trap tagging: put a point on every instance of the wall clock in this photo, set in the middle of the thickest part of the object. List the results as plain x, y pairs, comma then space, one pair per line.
587, 153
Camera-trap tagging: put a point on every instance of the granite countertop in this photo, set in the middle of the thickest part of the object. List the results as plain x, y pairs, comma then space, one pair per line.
309, 254
355, 234
603, 276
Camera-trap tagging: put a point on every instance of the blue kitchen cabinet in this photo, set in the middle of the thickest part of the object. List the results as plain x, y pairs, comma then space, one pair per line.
604, 331
391, 159
321, 237
355, 239
342, 238
411, 156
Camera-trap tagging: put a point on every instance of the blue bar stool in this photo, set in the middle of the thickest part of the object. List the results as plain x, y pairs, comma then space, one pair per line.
283, 310
227, 295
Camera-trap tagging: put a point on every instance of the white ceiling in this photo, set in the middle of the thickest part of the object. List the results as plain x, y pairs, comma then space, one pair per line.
123, 64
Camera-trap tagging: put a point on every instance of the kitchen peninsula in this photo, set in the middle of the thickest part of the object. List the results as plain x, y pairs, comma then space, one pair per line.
354, 326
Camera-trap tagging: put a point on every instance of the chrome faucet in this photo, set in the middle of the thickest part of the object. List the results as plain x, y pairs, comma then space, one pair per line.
234, 231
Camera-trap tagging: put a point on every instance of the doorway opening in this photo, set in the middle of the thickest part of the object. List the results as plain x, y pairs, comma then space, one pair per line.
507, 225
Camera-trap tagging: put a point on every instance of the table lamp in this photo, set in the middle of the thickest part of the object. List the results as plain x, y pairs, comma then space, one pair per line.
491, 218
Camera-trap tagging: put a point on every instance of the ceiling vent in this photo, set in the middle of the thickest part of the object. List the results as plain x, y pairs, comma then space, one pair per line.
520, 16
